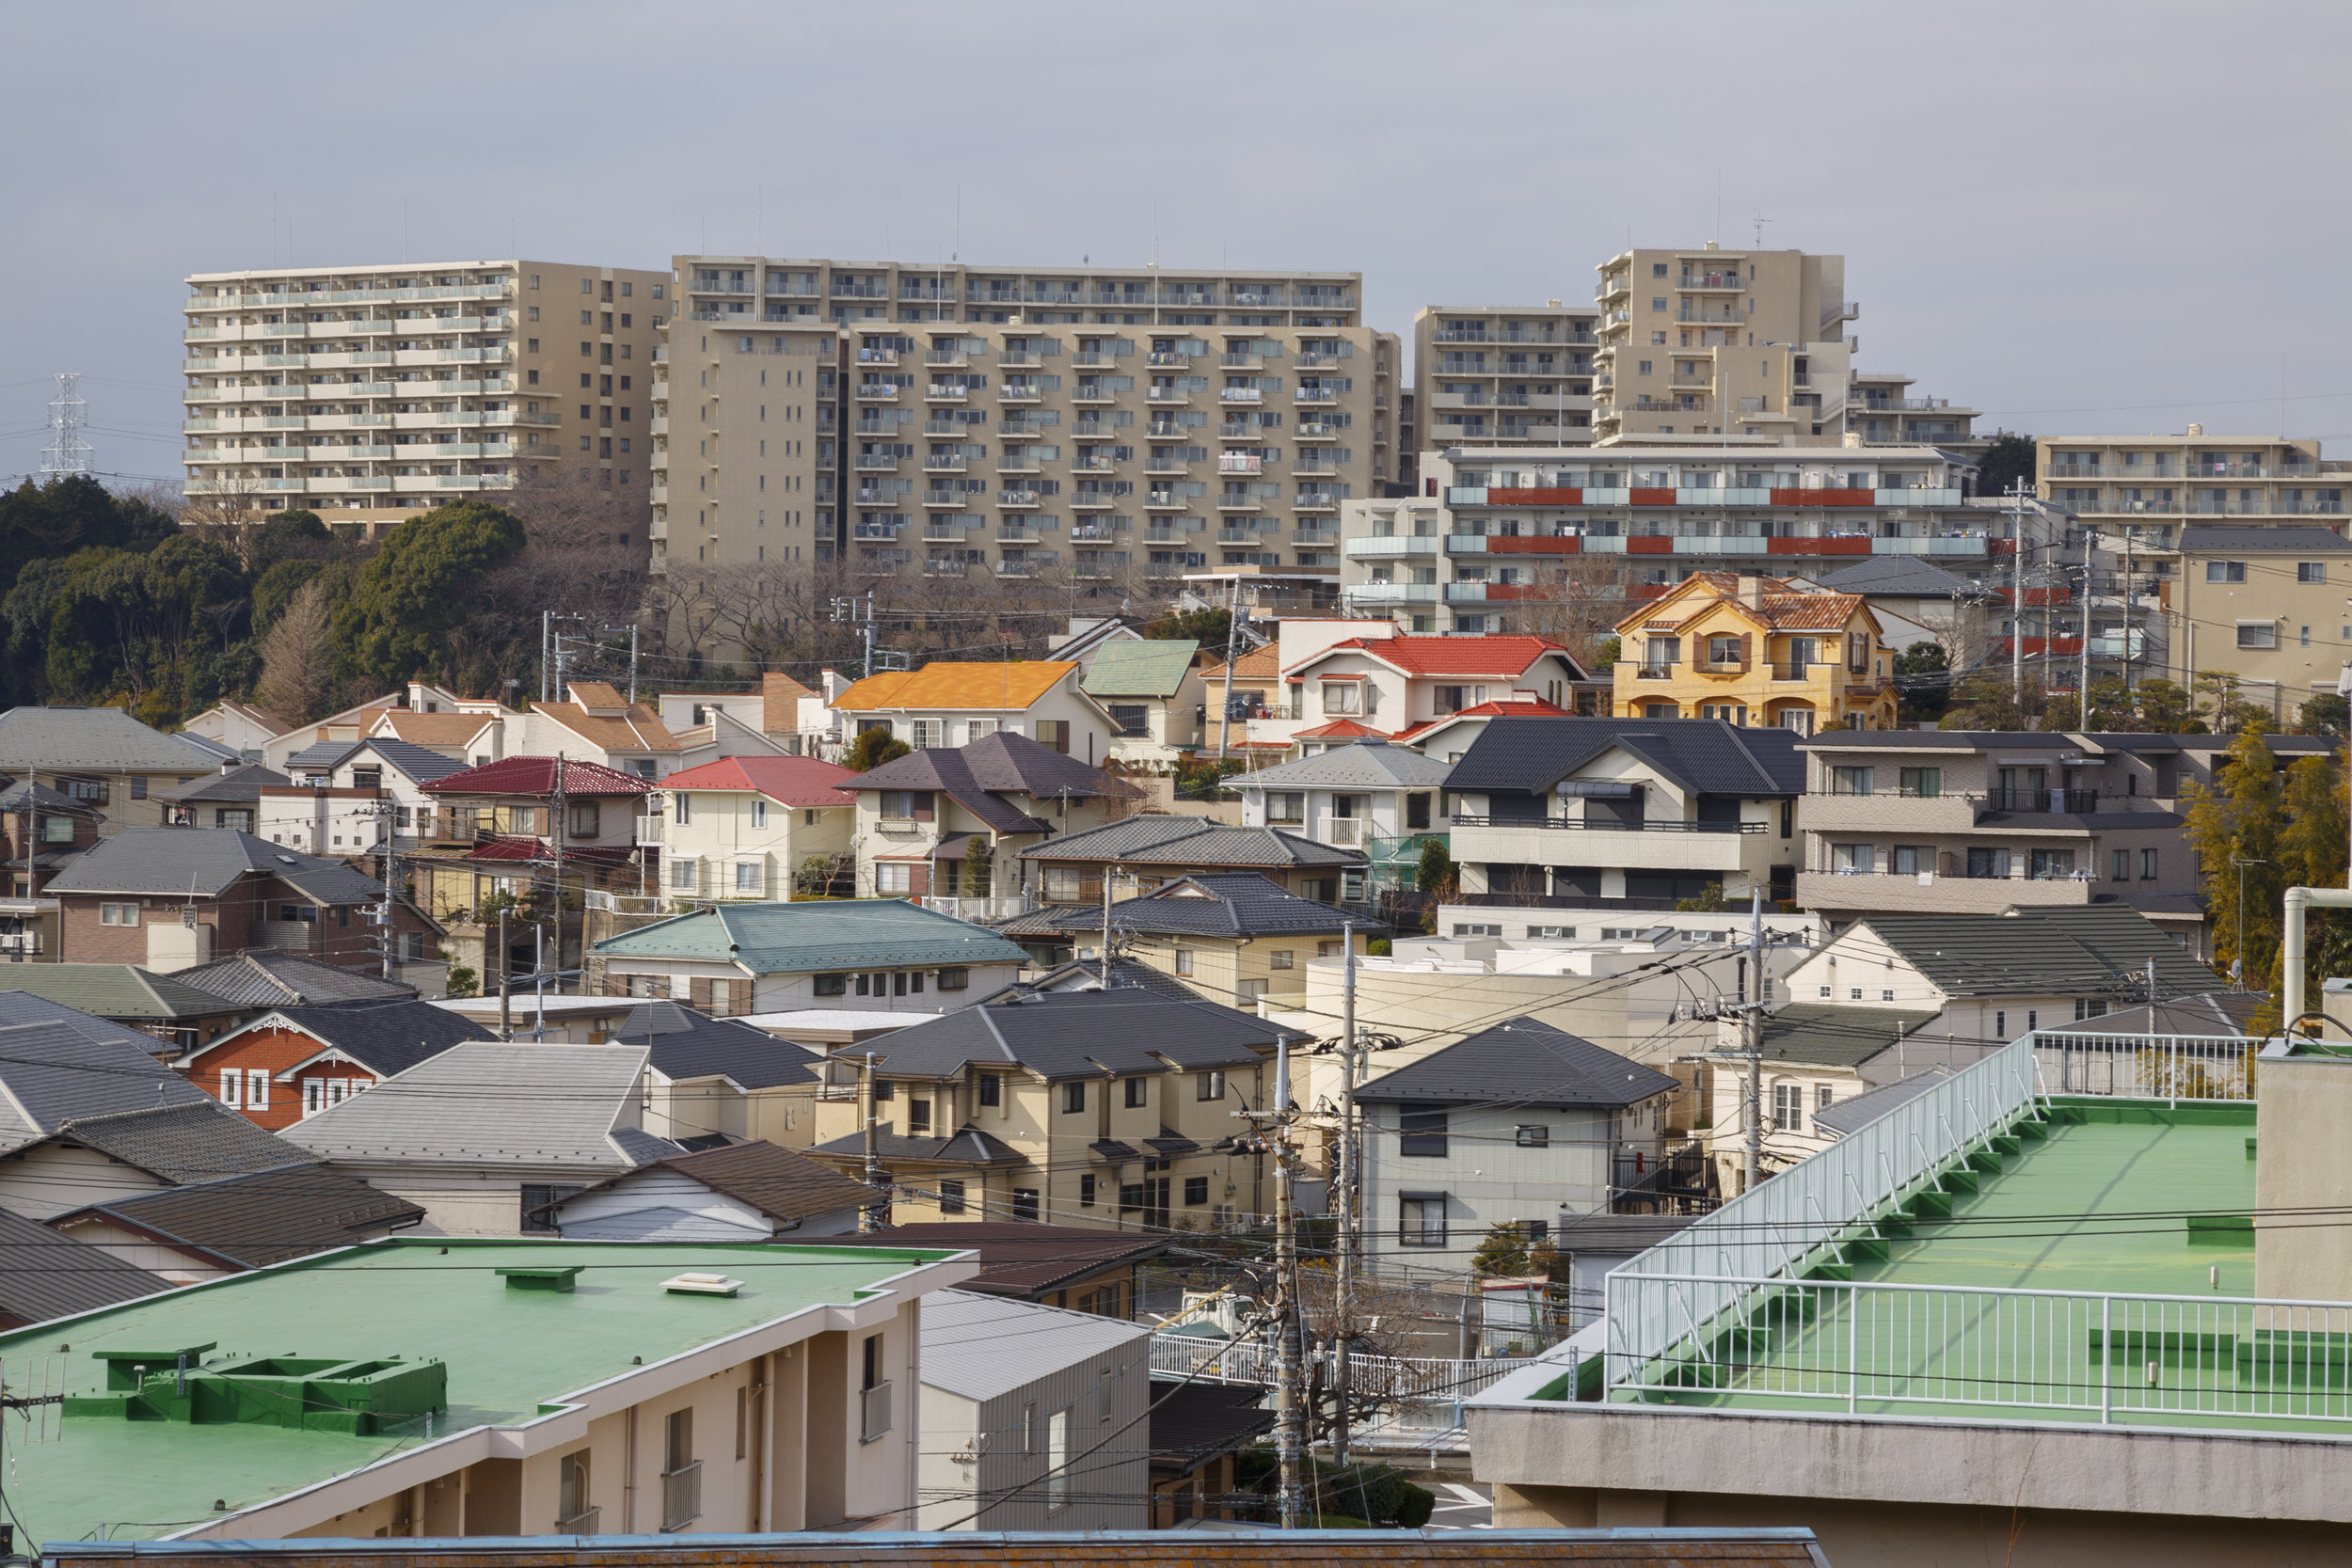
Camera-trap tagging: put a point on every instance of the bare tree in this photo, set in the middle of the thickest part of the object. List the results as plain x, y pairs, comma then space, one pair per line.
1577, 606
297, 682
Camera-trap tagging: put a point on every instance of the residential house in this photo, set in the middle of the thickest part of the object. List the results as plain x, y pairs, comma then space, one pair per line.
1022, 1408
1251, 688
496, 831
1377, 796
744, 827
789, 714
45, 1276
576, 1020
172, 898
362, 719
1234, 937
268, 977
1059, 1265
1107, 1109
228, 799
598, 724
485, 1133
1992, 977
344, 798
1813, 1057
1950, 821
1754, 651
1518, 1124
206, 1230
872, 954
824, 1029
720, 1077
917, 817
954, 704
1151, 852
1632, 814
1151, 690
1386, 686
294, 1062
2286, 655
240, 726
575, 1388
1449, 738
474, 736
742, 1192
42, 832
175, 1011
103, 758
1918, 601
1196, 1429
1075, 975
59, 1163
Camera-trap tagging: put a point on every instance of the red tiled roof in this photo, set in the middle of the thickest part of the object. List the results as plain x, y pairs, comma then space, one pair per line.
1339, 728
511, 849
536, 776
1500, 655
792, 780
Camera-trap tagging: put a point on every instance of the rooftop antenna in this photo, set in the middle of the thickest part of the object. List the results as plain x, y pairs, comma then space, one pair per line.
1760, 220
67, 453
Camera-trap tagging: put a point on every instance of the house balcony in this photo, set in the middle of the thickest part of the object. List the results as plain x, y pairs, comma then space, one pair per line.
1934, 893
1661, 846
1393, 545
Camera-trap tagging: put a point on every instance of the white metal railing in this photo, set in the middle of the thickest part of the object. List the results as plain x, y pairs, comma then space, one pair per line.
681, 1496
1883, 1349
981, 909
1385, 1378
2146, 1066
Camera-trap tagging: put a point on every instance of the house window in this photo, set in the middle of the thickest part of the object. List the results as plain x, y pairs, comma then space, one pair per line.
119, 914
2225, 571
1130, 718
1823, 1097
1086, 1192
1025, 1203
894, 877
1183, 960
991, 1089
1074, 1097
1535, 1136
2311, 570
759, 814
1912, 859
2052, 865
2257, 634
831, 985
59, 830
906, 805
1423, 1131
313, 1096
1344, 697
257, 1088
1287, 806
1477, 928
955, 979
1053, 733
1851, 859
2120, 866
1209, 1084
1196, 1191
918, 1114
1420, 1220
1851, 781
951, 1198
1923, 783
584, 814
2147, 865
1788, 1107
231, 1086
1250, 990
535, 1200
1282, 957
1139, 1092
682, 809
1065, 884
2089, 1007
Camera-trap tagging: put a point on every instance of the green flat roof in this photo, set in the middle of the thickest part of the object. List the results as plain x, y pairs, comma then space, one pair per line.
509, 1352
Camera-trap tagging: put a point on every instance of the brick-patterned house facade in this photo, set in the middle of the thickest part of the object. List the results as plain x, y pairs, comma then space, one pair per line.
294, 1062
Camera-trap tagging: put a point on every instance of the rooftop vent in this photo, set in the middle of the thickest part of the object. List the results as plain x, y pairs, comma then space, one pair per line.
548, 1278
701, 1285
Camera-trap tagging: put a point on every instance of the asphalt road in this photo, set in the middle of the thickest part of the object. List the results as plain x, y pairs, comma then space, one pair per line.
1461, 1506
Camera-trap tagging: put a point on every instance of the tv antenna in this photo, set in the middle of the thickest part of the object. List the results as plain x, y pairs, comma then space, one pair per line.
1759, 220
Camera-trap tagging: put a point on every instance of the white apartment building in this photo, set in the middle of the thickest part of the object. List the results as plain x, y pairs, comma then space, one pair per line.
1101, 429
369, 393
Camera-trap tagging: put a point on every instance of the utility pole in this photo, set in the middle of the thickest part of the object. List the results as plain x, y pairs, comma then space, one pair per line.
2082, 637
555, 835
1752, 1038
547, 631
1342, 1309
847, 610
2018, 589
1232, 636
392, 885
506, 1016
875, 1216
2131, 610
1287, 1404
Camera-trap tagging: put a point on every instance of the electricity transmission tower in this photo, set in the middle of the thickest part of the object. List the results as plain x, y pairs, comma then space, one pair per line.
67, 453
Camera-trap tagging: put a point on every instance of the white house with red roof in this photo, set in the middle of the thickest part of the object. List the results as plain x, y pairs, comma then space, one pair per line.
1387, 687
743, 827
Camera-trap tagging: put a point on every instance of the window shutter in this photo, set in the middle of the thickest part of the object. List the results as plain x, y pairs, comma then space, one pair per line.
699, 992
1747, 641
616, 985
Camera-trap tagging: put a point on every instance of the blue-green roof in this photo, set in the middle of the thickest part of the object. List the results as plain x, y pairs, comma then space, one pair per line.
782, 938
1152, 667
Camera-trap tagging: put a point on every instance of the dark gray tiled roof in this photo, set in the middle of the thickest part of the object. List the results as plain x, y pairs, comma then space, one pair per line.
2300, 538
265, 1216
783, 1185
1191, 841
205, 861
2039, 952
1078, 1035
44, 1275
184, 1143
688, 1044
322, 755
238, 786
1843, 1116
1220, 904
645, 1148
39, 797
265, 978
1704, 755
1897, 577
57, 1071
1522, 1061
970, 1146
24, 1006
1835, 1036
1086, 975
383, 1037
420, 763
102, 739
812, 935
980, 775
1364, 764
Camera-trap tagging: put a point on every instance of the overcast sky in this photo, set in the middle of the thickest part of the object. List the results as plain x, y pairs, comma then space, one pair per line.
2118, 216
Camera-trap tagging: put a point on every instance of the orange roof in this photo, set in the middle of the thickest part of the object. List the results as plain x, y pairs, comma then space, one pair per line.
1259, 664
780, 703
430, 729
598, 697
1447, 656
982, 686
1781, 607
1340, 728
640, 729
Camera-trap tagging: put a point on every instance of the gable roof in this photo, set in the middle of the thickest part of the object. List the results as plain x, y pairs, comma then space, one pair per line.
1191, 841
1259, 664
992, 687
492, 1102
1704, 755
191, 1141
850, 933
102, 739
979, 775
24, 1006
1370, 765
634, 728
1213, 904
688, 1044
115, 990
65, 1065
44, 1275
1821, 1036
535, 777
2052, 950
205, 863
967, 1145
267, 979
1077, 1035
418, 762
1497, 657
1521, 1061
1841, 1117
1086, 975
1898, 576
384, 1038
791, 781
2212, 1012
1423, 732
1141, 667
982, 1347
1019, 1258
432, 729
781, 1183
261, 1217
241, 786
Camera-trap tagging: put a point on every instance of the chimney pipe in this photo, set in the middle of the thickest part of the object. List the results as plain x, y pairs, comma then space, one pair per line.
1751, 590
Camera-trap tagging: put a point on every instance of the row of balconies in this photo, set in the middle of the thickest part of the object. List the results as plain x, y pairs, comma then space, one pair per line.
402, 484
299, 392
497, 287
419, 326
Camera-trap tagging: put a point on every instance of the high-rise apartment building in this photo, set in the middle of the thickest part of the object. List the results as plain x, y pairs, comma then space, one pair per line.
1099, 427
1495, 376
368, 393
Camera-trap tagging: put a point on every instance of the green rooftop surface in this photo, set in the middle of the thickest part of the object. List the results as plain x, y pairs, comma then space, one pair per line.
2105, 1203
509, 1352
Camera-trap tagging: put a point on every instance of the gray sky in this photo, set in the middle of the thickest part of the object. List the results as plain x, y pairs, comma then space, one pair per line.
2076, 215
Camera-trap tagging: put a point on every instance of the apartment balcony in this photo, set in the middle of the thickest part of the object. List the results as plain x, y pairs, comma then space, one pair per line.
945, 566
877, 391
870, 464
1935, 892
1391, 593
947, 359
722, 286
941, 392
1240, 395
1655, 845
1315, 395
1086, 500
1889, 812
937, 465
1019, 394
1239, 505
887, 357
1165, 500
1316, 431
1094, 532
1724, 317
1026, 565
1393, 545
1090, 395
1316, 500
1018, 498
1168, 395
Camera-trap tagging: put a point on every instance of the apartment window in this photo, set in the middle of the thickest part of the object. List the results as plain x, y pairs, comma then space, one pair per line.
1644, 368
1196, 1191
117, 915
2311, 570
1422, 1131
1086, 1192
1788, 1107
1851, 859
2120, 866
1853, 781
1922, 783
1288, 806
1534, 1135
1139, 1093
1183, 960
1074, 1097
1025, 1203
2052, 865
2147, 865
2257, 634
1209, 1084
1421, 1219
1909, 860
951, 1198
2225, 571
1987, 863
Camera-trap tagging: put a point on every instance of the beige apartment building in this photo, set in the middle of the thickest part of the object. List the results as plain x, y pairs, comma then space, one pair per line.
370, 393
2152, 487
1498, 375
1110, 430
2271, 605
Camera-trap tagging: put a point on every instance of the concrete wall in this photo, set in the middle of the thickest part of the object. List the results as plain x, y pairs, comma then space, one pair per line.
2299, 1121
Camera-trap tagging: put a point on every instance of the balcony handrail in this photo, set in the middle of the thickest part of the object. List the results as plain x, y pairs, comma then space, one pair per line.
1647, 825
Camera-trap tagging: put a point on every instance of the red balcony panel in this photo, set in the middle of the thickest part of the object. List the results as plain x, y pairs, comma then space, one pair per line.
1534, 497
1650, 498
1816, 547
1500, 545
1823, 497
1645, 545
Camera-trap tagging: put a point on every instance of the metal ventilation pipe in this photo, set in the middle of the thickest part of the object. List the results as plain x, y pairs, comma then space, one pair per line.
2291, 949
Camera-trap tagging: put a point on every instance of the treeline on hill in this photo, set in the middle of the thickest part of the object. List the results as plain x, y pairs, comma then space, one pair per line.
109, 599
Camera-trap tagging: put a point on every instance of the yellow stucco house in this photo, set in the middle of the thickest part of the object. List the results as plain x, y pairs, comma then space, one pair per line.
1754, 650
